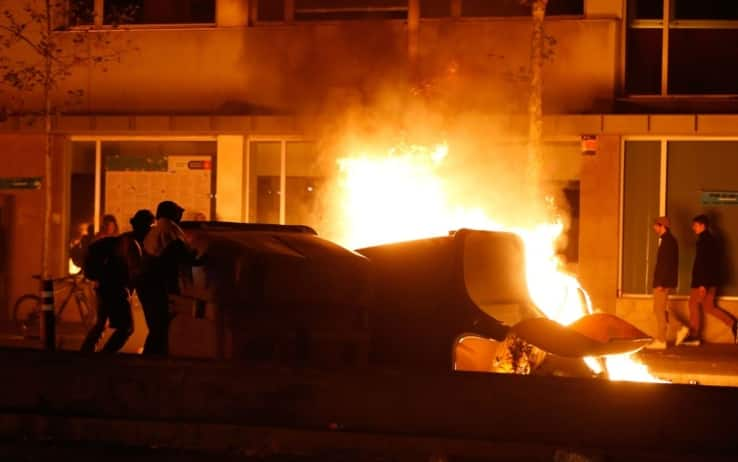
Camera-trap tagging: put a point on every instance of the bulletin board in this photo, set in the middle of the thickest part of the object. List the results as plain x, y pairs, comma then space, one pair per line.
131, 185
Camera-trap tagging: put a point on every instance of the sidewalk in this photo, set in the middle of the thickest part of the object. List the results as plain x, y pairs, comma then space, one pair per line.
708, 364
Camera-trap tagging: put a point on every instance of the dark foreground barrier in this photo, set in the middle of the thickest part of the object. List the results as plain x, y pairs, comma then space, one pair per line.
181, 403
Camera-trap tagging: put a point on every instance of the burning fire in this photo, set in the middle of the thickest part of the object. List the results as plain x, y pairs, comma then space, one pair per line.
401, 195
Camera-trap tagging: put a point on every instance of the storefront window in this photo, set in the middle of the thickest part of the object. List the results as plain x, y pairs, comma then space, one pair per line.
81, 201
140, 174
302, 183
695, 170
265, 170
696, 173
640, 208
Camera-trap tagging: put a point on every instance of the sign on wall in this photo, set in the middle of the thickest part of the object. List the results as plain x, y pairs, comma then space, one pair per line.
719, 198
133, 184
33, 182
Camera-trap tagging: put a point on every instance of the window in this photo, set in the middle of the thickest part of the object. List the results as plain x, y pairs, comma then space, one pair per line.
516, 8
695, 171
435, 8
270, 10
699, 56
311, 10
140, 174
285, 181
115, 12
640, 208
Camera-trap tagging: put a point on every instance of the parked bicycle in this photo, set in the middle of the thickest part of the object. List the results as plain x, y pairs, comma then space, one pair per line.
27, 309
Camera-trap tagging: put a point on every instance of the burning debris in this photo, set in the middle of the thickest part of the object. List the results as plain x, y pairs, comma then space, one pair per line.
402, 195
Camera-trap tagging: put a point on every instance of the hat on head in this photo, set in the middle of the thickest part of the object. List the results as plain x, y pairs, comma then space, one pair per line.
663, 221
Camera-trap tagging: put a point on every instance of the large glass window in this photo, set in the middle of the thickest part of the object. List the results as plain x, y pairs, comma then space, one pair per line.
81, 201
698, 179
286, 180
517, 8
308, 10
140, 174
700, 53
696, 170
321, 10
115, 12
640, 208
435, 8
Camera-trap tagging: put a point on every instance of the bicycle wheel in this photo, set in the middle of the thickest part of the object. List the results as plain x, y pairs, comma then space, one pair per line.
27, 315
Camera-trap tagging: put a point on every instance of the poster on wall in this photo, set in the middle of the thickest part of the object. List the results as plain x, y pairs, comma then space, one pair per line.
134, 185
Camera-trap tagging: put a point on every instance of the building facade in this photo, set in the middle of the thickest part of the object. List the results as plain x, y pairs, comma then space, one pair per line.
222, 105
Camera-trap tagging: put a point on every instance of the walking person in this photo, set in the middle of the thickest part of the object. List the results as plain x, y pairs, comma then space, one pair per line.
113, 262
165, 250
706, 276
665, 276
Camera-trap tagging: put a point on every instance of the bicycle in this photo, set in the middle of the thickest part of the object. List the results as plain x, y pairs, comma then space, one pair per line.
27, 311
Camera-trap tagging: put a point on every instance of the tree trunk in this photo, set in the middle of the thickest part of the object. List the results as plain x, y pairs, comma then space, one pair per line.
47, 287
45, 257
535, 103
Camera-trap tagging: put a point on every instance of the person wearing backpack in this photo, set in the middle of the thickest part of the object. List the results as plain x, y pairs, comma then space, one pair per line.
114, 262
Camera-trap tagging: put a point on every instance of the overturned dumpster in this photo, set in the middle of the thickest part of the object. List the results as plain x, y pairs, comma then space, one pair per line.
281, 293
272, 293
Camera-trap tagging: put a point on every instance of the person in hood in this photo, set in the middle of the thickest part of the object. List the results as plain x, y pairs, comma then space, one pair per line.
165, 250
706, 277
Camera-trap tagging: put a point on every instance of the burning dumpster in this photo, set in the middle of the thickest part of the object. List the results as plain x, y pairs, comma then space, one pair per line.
281, 293
448, 302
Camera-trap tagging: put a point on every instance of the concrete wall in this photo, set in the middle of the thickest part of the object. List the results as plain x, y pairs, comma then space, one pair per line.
23, 156
306, 66
599, 225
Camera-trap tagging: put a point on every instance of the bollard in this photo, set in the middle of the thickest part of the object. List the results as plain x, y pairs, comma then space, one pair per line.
48, 327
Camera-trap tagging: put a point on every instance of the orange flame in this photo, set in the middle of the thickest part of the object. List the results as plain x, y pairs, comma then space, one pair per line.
401, 195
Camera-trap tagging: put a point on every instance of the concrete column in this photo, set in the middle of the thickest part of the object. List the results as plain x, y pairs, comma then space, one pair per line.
233, 13
229, 177
599, 224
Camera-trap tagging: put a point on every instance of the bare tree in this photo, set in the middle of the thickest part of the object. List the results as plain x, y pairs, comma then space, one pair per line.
42, 48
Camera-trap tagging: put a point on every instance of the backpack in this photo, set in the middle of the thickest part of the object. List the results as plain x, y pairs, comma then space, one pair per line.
99, 256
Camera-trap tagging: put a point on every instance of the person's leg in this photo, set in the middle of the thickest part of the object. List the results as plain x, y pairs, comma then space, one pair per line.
695, 313
121, 319
660, 296
96, 331
154, 302
708, 305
